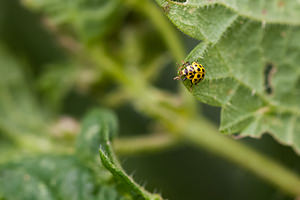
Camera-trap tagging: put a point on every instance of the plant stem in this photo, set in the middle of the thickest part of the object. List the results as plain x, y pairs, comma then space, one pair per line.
144, 144
41, 144
198, 130
264, 167
162, 25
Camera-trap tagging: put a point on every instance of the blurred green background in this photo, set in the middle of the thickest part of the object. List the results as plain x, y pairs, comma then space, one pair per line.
180, 173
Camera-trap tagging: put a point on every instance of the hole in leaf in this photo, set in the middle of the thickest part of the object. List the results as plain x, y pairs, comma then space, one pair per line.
268, 74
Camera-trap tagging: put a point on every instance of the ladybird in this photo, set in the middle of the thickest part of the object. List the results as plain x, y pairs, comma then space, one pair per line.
195, 72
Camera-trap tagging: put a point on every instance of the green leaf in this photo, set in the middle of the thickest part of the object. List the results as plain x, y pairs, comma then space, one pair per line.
52, 177
99, 126
251, 51
89, 19
16, 184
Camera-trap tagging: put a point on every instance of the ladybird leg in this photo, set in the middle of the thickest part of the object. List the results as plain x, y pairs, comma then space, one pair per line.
180, 67
184, 78
176, 78
179, 76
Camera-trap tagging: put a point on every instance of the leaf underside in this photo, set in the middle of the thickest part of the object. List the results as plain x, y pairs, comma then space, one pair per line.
251, 52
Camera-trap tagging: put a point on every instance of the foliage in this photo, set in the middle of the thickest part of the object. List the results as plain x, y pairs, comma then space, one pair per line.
71, 57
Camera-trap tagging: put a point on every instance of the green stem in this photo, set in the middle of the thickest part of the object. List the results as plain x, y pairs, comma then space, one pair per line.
199, 131
41, 144
32, 144
264, 167
144, 144
162, 25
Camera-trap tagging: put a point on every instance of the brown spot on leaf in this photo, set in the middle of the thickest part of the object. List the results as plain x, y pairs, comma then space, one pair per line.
229, 92
166, 8
268, 74
280, 4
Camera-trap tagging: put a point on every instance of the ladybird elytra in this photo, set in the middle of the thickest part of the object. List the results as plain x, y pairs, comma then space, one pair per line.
195, 72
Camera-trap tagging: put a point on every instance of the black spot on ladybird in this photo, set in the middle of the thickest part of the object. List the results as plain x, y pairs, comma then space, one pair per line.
198, 76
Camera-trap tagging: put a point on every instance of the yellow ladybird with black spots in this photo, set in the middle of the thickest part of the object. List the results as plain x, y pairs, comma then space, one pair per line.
195, 72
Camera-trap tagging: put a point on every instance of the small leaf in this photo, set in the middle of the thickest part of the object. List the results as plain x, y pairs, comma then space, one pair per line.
251, 51
100, 125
